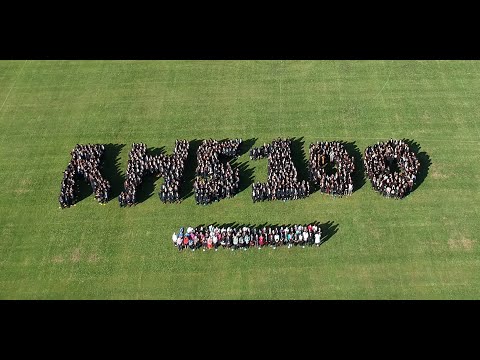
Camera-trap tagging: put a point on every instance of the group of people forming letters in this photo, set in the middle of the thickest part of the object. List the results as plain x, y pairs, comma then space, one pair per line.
331, 168
282, 183
215, 180
170, 167
391, 167
85, 161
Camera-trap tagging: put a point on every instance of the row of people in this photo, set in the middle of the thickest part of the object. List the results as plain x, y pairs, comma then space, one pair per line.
85, 161
244, 237
292, 191
334, 155
282, 181
216, 180
391, 167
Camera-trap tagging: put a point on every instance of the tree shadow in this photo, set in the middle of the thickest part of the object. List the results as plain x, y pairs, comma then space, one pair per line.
358, 176
186, 186
300, 160
146, 188
424, 159
111, 169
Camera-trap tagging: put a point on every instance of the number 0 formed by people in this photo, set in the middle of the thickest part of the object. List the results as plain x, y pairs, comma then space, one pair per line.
391, 167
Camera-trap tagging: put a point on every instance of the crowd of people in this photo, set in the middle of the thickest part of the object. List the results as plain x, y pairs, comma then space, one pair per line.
85, 161
244, 237
282, 181
331, 153
170, 167
215, 180
391, 167
380, 161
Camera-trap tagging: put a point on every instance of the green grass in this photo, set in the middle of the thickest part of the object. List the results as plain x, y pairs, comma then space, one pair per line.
423, 247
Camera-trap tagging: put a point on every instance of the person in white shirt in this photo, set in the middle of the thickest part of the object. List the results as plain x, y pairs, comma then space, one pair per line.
174, 239
317, 239
305, 235
235, 242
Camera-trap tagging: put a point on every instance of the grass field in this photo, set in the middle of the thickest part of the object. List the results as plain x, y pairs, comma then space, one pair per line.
423, 247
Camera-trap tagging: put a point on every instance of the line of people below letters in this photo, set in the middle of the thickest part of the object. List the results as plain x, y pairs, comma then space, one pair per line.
244, 237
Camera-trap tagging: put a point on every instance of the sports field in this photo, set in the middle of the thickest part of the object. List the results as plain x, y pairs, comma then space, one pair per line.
422, 247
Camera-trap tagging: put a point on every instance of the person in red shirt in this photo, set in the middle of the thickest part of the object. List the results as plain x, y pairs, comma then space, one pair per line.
219, 239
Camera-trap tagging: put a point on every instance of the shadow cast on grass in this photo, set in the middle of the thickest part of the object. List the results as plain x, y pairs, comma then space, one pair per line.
328, 230
246, 175
300, 159
246, 172
111, 169
358, 176
425, 162
82, 189
146, 188
186, 185
246, 145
